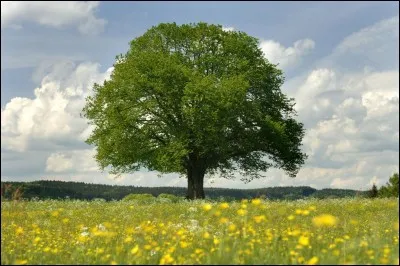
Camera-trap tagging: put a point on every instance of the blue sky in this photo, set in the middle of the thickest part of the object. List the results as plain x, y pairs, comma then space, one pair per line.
340, 61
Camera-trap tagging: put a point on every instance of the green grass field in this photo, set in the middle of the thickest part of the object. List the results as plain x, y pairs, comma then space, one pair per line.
344, 231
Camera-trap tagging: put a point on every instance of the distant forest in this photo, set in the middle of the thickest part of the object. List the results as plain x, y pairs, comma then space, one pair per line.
84, 191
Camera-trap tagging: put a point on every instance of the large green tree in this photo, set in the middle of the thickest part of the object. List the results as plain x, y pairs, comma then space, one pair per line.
194, 99
392, 187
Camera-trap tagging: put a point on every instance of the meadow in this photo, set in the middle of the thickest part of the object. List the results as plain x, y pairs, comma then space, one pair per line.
335, 231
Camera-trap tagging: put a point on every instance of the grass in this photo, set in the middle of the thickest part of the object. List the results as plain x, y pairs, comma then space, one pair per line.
337, 231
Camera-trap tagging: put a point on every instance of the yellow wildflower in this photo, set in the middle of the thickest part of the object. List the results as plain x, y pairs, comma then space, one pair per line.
339, 240
384, 261
166, 259
19, 230
224, 205
21, 262
314, 260
231, 227
183, 244
386, 251
241, 212
99, 250
256, 202
325, 220
128, 239
206, 235
135, 249
295, 232
304, 241
207, 207
259, 218
198, 251
223, 220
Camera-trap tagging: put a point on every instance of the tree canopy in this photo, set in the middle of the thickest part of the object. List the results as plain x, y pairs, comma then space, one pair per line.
194, 99
392, 187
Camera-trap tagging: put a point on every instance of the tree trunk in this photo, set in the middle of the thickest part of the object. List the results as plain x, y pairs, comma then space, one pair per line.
195, 176
190, 188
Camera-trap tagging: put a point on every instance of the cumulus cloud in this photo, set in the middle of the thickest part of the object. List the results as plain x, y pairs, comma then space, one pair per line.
72, 161
52, 117
58, 163
45, 135
363, 40
80, 14
349, 104
374, 48
276, 53
346, 127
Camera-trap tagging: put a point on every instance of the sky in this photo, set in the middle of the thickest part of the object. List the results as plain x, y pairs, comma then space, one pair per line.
340, 61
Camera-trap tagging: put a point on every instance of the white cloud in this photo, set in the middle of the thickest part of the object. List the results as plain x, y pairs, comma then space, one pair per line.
45, 135
286, 57
53, 115
318, 82
351, 110
360, 126
363, 40
58, 163
80, 14
374, 48
77, 160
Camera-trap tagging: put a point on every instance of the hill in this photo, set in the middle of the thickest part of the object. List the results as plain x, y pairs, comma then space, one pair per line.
85, 191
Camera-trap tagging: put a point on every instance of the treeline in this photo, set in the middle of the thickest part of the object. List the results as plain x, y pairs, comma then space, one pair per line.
84, 191
391, 189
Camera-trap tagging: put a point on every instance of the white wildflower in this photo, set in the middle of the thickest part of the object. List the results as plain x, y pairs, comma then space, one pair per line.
101, 227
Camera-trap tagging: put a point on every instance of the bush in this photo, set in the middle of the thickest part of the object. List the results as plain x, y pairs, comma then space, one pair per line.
142, 198
225, 199
169, 197
99, 200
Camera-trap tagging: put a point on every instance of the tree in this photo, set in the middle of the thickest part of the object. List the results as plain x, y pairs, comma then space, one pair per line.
374, 191
392, 187
194, 100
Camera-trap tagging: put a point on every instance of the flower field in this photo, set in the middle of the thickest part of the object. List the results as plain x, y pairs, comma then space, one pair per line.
337, 231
